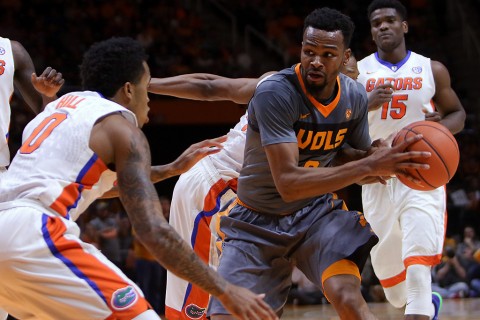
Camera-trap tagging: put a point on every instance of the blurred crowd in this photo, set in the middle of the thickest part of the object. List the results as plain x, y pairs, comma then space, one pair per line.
183, 36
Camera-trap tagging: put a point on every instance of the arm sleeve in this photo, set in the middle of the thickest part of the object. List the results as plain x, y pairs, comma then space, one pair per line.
273, 113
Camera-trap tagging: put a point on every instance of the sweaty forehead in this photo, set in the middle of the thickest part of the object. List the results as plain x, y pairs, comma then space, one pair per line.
317, 37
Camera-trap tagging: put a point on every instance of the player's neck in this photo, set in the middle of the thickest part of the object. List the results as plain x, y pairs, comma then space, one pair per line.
394, 56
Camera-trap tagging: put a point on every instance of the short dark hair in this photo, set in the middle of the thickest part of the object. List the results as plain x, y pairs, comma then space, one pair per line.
331, 20
394, 4
109, 64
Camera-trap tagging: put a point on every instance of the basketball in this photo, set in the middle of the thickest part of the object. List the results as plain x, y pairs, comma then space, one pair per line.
444, 158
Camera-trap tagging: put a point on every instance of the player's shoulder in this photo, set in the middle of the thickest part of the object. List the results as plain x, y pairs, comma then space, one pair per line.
352, 87
366, 60
276, 81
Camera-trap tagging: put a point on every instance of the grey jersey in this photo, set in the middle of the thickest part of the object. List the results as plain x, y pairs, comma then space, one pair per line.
281, 111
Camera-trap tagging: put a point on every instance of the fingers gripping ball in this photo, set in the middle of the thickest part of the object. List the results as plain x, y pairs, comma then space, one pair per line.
443, 162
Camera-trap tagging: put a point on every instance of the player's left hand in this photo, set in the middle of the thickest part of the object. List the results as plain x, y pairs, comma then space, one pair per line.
48, 83
432, 116
197, 152
246, 305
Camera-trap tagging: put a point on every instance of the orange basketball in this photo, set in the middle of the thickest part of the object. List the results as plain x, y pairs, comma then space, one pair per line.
444, 158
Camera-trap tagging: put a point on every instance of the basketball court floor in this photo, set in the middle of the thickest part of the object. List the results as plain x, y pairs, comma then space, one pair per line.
453, 309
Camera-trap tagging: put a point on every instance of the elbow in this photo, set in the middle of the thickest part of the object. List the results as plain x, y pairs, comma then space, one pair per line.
287, 192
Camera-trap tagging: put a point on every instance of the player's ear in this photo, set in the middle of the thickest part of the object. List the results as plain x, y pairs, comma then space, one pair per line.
127, 90
346, 56
405, 26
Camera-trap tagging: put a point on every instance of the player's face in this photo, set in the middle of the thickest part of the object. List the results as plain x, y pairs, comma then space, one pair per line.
140, 97
387, 28
322, 55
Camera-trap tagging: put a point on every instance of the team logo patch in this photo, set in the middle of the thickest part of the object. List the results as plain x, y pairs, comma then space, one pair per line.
194, 311
394, 68
348, 113
417, 70
124, 298
2, 51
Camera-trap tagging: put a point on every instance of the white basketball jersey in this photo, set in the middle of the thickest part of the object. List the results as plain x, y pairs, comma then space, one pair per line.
55, 167
229, 161
414, 87
7, 70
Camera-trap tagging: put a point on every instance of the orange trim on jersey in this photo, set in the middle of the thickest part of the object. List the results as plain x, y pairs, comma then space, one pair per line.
325, 110
240, 202
66, 199
217, 222
172, 314
340, 267
71, 193
343, 266
433, 105
93, 174
393, 281
86, 267
423, 260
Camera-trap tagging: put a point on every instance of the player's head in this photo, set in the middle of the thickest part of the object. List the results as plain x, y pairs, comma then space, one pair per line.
350, 68
325, 47
388, 23
117, 69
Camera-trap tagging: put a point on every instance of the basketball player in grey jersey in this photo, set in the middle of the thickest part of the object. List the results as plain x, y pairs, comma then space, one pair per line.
286, 215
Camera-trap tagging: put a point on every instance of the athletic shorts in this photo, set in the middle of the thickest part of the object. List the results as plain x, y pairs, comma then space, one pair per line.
410, 225
47, 272
260, 250
197, 198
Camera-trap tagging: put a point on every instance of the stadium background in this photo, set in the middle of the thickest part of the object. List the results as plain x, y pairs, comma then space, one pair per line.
242, 39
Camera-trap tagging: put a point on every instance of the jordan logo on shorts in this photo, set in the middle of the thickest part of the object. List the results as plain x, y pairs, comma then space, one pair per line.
194, 312
124, 298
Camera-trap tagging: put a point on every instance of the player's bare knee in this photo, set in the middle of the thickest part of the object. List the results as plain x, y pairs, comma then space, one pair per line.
343, 291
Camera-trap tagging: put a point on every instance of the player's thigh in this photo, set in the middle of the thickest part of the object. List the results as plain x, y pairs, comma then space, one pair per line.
56, 275
423, 222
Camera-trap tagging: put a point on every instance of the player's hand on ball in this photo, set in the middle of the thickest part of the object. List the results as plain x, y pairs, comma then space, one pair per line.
390, 161
246, 305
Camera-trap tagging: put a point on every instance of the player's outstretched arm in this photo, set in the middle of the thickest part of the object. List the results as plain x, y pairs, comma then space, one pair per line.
187, 159
28, 84
118, 142
207, 87
183, 163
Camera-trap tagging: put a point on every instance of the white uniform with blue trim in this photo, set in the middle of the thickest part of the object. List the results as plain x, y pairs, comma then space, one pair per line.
47, 272
198, 196
410, 224
7, 71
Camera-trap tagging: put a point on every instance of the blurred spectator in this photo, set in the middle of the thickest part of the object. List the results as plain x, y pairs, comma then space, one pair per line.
372, 290
105, 232
450, 276
303, 291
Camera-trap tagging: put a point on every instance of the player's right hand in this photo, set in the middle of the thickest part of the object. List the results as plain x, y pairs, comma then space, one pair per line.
380, 95
246, 305
49, 82
393, 161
